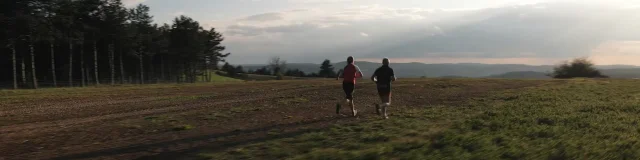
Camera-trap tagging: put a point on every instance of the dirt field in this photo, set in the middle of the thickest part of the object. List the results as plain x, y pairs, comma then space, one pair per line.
165, 121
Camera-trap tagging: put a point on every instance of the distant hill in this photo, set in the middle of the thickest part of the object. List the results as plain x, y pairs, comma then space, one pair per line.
415, 70
305, 67
622, 72
522, 75
452, 77
613, 73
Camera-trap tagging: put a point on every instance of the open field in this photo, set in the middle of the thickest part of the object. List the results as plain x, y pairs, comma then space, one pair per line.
430, 119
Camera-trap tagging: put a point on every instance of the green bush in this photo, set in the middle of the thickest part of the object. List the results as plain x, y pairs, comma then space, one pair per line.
580, 67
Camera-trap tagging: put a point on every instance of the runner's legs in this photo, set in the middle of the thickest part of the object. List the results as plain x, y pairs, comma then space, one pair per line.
348, 90
384, 91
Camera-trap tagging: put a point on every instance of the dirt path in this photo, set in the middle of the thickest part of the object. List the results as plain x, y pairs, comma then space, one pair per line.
164, 123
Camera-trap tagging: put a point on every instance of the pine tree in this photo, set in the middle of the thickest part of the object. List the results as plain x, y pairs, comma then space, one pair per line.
35, 32
142, 31
326, 69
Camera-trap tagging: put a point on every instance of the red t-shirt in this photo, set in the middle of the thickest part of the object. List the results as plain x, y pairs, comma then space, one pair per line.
350, 73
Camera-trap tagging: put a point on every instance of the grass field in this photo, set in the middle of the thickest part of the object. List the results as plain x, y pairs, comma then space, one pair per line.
220, 76
217, 78
430, 119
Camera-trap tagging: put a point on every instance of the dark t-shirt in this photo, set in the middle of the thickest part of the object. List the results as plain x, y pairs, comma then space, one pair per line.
384, 75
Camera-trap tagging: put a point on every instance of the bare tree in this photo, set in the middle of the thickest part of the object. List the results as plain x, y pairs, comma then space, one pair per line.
34, 79
13, 65
121, 67
140, 57
83, 71
23, 69
53, 62
162, 77
111, 64
277, 65
70, 62
95, 62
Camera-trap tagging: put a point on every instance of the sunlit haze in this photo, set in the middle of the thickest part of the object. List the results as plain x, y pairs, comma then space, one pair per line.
431, 31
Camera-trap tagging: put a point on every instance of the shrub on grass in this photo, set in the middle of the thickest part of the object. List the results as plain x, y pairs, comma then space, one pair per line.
578, 68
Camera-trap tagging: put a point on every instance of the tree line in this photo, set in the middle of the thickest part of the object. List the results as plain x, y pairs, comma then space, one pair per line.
576, 68
277, 67
90, 42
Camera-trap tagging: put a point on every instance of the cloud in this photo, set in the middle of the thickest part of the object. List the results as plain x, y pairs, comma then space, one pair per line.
298, 10
264, 17
324, 18
131, 3
438, 30
548, 31
247, 30
349, 14
560, 31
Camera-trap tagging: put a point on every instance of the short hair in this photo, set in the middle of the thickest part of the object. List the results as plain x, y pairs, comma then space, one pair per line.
385, 61
350, 59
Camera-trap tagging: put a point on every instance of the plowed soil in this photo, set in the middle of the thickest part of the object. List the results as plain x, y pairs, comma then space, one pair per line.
161, 121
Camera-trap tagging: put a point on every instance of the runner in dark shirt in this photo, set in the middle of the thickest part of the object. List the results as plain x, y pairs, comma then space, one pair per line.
350, 73
383, 77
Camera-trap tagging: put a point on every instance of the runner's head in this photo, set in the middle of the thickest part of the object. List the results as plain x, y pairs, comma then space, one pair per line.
350, 60
385, 61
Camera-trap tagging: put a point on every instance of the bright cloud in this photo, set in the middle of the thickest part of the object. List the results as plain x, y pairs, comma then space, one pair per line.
265, 17
545, 32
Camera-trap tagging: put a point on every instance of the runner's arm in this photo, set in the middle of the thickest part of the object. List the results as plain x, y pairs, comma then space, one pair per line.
393, 76
374, 75
359, 73
339, 74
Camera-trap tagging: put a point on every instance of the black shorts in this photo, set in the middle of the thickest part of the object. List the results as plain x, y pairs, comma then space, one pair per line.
384, 89
348, 89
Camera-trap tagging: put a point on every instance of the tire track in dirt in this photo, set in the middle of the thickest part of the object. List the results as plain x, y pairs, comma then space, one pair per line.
75, 124
141, 113
67, 126
134, 104
55, 127
56, 102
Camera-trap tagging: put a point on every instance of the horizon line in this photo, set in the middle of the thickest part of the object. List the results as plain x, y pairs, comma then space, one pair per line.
369, 61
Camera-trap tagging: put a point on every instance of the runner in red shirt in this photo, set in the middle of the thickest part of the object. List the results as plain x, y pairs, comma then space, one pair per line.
349, 74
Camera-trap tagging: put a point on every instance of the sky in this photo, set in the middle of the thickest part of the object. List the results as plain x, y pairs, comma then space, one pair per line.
532, 32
